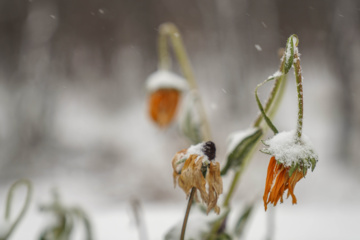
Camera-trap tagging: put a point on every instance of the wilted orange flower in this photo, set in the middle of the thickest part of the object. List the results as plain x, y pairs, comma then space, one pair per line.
162, 105
194, 168
291, 158
278, 181
165, 90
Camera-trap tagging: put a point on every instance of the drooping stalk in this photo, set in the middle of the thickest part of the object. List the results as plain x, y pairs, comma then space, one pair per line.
271, 104
299, 87
270, 108
170, 31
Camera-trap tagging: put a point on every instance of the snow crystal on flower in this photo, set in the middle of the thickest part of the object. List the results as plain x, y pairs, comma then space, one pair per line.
237, 137
165, 79
197, 150
288, 152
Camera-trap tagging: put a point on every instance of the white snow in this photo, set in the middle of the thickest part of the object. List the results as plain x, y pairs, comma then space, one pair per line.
192, 150
235, 138
285, 149
197, 150
276, 74
165, 79
258, 47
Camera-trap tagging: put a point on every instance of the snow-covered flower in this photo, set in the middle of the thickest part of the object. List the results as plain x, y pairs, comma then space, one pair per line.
291, 158
165, 90
196, 167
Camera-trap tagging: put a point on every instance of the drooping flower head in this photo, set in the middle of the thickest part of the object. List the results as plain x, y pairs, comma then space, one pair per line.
165, 90
196, 167
291, 158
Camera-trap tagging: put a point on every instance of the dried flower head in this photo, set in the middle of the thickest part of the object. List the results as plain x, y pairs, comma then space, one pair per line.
196, 167
165, 90
291, 157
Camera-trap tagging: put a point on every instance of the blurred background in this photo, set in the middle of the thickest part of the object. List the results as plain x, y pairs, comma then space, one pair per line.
73, 105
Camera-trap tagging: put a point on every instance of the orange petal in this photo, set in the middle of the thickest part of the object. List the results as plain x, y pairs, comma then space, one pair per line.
162, 106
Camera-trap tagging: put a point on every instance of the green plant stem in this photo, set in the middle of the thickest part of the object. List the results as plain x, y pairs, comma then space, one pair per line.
299, 88
170, 31
192, 194
28, 185
271, 104
272, 95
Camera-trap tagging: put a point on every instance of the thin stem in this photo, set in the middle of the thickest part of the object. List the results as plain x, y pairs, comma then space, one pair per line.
192, 194
170, 31
272, 95
163, 53
232, 187
299, 88
28, 184
270, 105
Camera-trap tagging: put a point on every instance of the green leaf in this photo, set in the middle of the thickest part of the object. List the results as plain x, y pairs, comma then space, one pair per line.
238, 154
240, 225
266, 151
313, 163
293, 168
261, 108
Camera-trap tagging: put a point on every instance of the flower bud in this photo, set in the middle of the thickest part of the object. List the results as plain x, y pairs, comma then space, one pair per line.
165, 90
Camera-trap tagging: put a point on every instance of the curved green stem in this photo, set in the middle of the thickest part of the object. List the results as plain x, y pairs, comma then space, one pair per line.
192, 194
170, 31
28, 185
299, 88
272, 94
270, 106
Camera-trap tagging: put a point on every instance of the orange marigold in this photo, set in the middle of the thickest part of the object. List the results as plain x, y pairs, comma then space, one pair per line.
291, 158
278, 181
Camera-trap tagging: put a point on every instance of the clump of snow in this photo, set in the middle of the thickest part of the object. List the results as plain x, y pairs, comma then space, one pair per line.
192, 150
163, 79
288, 151
237, 137
197, 150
